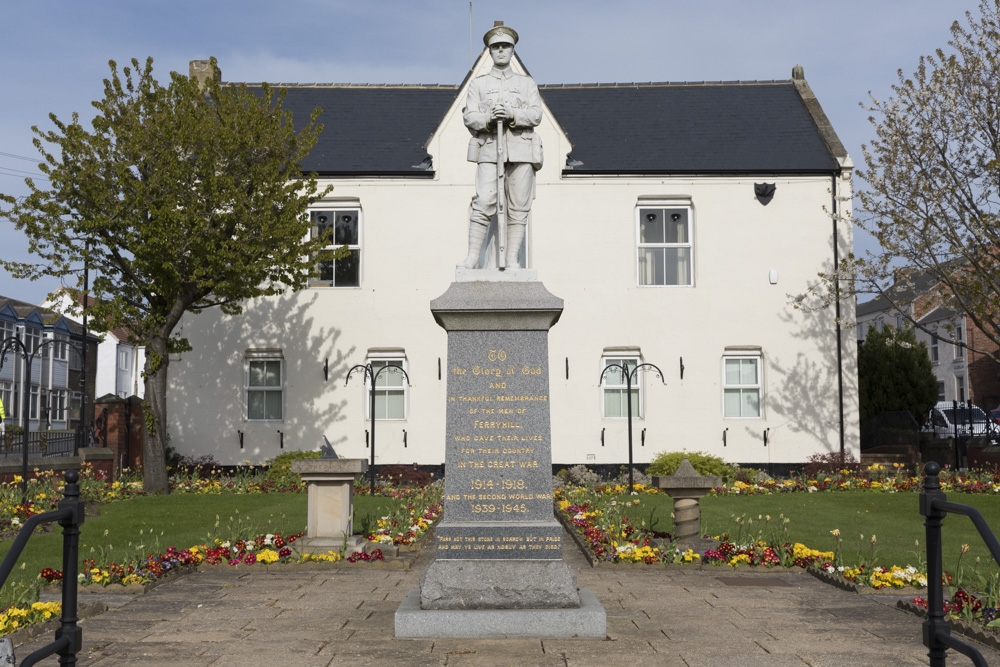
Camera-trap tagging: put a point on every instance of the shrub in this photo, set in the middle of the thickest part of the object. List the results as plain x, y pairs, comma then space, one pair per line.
280, 470
666, 463
637, 476
830, 463
581, 475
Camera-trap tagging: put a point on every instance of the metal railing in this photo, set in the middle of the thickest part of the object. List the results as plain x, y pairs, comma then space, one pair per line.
42, 443
934, 507
70, 515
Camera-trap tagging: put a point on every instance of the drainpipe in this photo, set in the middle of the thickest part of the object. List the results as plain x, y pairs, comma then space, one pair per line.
840, 350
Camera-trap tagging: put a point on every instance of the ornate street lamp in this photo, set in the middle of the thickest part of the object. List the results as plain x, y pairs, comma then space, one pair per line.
630, 377
372, 376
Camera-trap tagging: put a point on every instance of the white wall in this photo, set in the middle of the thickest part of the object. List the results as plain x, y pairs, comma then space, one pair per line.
583, 243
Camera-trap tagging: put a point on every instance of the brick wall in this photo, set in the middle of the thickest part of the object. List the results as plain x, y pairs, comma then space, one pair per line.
984, 372
124, 436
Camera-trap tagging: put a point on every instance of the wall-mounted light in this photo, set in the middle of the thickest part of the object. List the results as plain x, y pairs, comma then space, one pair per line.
675, 217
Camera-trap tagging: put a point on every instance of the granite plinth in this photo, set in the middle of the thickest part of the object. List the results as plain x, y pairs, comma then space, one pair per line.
588, 621
496, 306
498, 584
499, 569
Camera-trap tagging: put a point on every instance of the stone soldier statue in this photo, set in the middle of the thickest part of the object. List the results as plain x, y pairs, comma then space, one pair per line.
507, 104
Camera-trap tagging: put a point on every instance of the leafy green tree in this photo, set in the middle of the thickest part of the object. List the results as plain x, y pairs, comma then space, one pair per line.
895, 373
931, 192
180, 198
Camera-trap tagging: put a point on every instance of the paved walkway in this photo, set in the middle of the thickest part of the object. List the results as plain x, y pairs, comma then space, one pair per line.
299, 616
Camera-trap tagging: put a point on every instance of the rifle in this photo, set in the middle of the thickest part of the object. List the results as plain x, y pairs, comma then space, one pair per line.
501, 197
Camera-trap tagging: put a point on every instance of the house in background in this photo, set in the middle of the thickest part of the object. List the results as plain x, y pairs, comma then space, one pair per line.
119, 362
673, 219
54, 395
962, 374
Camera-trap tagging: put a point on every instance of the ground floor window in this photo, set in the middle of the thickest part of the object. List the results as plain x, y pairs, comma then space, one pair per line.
390, 385
741, 386
615, 390
264, 386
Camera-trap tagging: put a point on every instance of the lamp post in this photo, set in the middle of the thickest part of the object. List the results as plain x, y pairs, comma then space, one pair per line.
630, 376
372, 376
15, 345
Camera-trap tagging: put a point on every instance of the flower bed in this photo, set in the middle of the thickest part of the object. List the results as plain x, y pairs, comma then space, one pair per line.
611, 531
609, 528
15, 618
876, 478
415, 512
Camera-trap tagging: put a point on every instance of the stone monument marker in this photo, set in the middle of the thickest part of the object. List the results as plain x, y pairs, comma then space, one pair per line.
499, 568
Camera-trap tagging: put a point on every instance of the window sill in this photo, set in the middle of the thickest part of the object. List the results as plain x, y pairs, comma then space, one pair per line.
665, 286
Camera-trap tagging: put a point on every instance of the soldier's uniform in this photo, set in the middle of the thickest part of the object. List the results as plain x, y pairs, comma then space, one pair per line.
523, 148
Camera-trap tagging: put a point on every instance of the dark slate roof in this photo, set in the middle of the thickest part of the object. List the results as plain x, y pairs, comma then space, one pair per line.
689, 128
922, 281
370, 130
49, 317
726, 127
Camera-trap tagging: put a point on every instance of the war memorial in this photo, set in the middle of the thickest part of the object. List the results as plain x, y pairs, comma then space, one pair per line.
499, 568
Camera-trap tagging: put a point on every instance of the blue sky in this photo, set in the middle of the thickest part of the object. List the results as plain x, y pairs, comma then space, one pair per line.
56, 52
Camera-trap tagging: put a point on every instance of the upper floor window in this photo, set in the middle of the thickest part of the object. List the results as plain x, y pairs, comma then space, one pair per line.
390, 386
32, 338
62, 347
934, 348
6, 330
342, 229
264, 385
959, 337
665, 254
615, 389
741, 386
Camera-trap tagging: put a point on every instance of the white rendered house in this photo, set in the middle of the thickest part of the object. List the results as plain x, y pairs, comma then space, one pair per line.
119, 362
654, 220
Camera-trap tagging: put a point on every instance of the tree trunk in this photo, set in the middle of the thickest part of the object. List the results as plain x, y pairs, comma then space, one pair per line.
154, 464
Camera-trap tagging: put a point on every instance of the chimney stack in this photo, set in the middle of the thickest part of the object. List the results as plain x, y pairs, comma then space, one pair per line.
201, 71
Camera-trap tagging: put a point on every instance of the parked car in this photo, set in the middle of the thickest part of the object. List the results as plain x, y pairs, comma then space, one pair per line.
967, 421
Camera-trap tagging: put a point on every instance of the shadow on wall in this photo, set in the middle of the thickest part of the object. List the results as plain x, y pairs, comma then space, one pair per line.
207, 413
808, 396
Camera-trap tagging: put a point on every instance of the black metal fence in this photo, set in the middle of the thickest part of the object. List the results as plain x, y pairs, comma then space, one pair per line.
890, 431
933, 507
70, 515
41, 443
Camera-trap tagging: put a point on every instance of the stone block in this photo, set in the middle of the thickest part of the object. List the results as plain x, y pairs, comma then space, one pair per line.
588, 621
498, 584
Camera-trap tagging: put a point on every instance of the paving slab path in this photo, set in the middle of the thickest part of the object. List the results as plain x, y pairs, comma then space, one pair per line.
677, 616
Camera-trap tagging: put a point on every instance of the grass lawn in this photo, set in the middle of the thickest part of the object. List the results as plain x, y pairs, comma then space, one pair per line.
184, 521
892, 517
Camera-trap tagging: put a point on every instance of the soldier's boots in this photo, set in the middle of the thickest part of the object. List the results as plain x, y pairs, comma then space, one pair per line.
515, 236
477, 234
